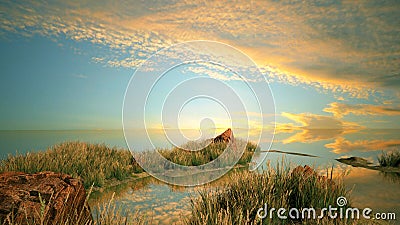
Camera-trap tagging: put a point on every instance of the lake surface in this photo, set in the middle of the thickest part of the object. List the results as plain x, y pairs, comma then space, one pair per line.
167, 204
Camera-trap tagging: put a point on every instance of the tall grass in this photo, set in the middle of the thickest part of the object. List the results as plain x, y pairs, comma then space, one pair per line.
238, 201
390, 159
94, 163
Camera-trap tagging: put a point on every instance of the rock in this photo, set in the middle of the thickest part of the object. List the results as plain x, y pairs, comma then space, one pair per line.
308, 172
42, 198
225, 137
355, 161
305, 171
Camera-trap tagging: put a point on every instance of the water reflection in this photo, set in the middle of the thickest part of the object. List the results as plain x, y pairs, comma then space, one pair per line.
373, 189
160, 202
333, 144
118, 191
391, 177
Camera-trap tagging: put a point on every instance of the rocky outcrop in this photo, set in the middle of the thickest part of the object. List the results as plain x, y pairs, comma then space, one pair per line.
361, 162
225, 137
355, 161
42, 198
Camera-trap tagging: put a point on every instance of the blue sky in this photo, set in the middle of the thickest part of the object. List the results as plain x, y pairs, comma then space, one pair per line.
67, 65
47, 86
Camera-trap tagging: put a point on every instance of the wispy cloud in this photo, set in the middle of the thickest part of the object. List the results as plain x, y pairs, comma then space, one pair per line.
81, 76
340, 46
213, 71
341, 109
342, 145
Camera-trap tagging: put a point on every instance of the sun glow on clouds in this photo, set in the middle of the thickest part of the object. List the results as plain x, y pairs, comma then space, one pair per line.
341, 145
343, 47
340, 109
310, 128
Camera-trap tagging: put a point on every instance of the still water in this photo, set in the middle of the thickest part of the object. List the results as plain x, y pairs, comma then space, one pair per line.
167, 204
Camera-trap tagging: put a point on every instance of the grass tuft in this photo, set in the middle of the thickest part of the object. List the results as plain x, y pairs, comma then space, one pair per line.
389, 159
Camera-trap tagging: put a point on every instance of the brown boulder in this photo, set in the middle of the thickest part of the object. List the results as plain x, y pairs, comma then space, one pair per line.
305, 171
42, 198
308, 172
225, 137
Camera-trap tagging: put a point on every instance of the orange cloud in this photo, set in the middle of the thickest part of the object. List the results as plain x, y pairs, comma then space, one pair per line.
346, 47
312, 127
314, 121
341, 145
341, 109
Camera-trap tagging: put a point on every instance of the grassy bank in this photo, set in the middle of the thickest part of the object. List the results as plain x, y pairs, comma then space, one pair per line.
238, 201
93, 163
99, 164
182, 156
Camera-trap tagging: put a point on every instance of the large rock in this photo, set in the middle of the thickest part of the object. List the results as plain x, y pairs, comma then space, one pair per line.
226, 137
42, 198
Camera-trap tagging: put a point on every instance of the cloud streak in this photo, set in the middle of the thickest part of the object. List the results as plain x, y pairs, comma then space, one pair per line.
311, 128
342, 145
341, 109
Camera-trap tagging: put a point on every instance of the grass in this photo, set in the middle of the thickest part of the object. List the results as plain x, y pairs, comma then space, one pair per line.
389, 159
93, 163
238, 200
182, 156
99, 164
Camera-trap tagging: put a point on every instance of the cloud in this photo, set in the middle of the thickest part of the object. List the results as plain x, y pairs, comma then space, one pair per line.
311, 127
314, 121
341, 145
339, 46
213, 71
80, 76
341, 109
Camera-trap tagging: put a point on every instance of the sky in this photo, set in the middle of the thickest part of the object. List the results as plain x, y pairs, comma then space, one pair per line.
333, 65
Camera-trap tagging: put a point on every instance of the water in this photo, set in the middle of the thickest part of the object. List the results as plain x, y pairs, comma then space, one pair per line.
24, 141
169, 204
